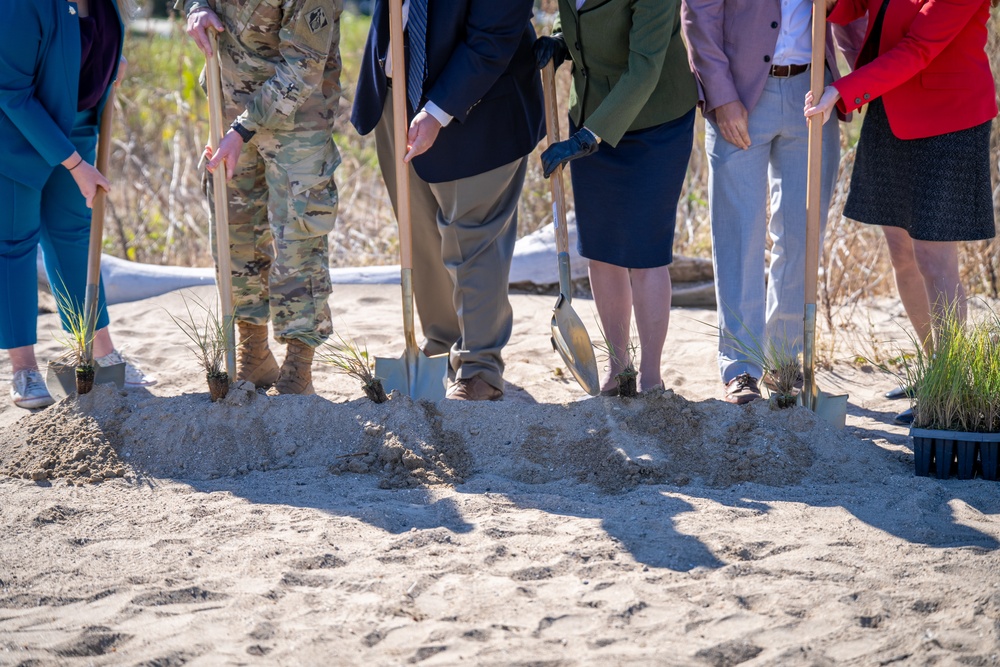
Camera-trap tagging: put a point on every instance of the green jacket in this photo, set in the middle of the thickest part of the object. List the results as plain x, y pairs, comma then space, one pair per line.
630, 66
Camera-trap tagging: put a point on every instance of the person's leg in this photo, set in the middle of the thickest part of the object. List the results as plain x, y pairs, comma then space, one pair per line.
431, 281
302, 210
612, 288
478, 225
20, 232
787, 175
20, 227
737, 187
910, 284
937, 262
651, 293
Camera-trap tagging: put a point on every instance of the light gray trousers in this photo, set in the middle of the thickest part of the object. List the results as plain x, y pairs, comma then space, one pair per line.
751, 316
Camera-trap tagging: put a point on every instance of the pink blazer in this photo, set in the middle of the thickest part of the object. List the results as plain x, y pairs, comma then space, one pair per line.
731, 42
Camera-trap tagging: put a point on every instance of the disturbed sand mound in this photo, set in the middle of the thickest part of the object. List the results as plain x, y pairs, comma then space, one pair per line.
609, 443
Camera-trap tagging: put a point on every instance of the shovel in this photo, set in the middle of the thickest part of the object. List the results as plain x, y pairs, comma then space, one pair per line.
832, 408
569, 335
213, 80
413, 374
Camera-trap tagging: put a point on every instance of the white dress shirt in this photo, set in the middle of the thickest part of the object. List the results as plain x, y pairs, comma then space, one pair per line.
794, 45
440, 114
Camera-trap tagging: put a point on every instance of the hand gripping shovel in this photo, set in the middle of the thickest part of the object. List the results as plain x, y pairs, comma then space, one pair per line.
213, 80
569, 335
413, 374
828, 406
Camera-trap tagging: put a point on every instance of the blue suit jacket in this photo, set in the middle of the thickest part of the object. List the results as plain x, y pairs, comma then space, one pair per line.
39, 87
480, 69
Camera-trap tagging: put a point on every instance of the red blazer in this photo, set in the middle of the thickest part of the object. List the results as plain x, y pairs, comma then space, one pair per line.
931, 72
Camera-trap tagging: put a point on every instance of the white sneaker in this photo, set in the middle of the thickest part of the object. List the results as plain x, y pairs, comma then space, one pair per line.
28, 390
134, 377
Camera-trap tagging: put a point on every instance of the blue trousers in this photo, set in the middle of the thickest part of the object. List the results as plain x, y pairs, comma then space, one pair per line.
56, 217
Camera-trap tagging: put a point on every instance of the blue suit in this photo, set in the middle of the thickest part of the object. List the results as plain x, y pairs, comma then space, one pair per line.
464, 190
480, 69
40, 127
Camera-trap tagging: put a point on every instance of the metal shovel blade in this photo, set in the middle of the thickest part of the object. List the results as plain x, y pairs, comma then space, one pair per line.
418, 376
832, 408
61, 380
572, 342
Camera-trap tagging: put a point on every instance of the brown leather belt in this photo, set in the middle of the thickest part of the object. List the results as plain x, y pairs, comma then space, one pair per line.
785, 71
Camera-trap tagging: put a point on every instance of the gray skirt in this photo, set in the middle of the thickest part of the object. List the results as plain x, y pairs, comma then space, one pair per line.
937, 189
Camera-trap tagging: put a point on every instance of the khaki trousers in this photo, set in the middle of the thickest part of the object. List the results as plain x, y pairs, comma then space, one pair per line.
463, 241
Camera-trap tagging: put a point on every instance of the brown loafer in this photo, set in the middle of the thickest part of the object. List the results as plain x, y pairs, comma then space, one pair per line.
473, 389
742, 389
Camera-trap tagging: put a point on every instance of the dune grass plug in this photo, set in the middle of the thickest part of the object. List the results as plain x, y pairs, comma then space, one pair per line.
76, 339
207, 333
348, 357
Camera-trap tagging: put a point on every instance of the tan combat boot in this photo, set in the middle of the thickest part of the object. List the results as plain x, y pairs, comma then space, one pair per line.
254, 361
296, 371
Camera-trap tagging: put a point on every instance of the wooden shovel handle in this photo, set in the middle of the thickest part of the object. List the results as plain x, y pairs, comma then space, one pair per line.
101, 198
814, 176
400, 130
556, 179
213, 80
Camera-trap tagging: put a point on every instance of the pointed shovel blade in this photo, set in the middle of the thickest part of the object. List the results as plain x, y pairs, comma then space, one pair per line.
572, 342
418, 376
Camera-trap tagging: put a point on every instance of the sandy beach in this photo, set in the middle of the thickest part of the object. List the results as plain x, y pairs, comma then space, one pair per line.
549, 529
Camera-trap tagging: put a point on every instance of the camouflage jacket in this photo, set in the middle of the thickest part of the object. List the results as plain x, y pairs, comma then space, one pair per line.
280, 61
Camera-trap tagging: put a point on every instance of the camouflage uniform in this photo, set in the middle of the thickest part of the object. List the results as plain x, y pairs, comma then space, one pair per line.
280, 62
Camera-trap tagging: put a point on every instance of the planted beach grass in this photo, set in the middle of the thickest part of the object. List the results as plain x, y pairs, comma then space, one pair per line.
351, 358
206, 333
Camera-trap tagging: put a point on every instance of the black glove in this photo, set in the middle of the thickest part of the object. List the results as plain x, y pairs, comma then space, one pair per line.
550, 48
581, 144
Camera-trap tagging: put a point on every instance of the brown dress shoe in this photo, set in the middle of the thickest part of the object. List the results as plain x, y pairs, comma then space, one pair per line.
742, 389
473, 389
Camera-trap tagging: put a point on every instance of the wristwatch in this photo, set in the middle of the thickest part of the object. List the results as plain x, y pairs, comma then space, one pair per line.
244, 133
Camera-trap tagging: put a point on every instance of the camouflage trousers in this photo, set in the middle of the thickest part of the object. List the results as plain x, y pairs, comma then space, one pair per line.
282, 204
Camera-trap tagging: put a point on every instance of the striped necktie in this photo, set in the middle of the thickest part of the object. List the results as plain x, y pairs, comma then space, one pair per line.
416, 70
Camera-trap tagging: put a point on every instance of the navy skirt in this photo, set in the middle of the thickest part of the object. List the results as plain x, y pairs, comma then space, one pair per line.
626, 197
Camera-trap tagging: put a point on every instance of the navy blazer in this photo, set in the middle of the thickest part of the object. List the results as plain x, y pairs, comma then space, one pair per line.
39, 86
480, 69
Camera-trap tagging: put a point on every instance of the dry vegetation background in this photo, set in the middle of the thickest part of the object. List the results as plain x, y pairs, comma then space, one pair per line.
158, 213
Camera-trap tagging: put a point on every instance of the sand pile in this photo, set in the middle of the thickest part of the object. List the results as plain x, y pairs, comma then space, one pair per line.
61, 443
610, 443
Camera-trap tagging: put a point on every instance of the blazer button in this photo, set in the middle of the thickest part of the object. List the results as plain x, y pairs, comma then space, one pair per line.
868, 96
774, 24
767, 59
577, 45
857, 100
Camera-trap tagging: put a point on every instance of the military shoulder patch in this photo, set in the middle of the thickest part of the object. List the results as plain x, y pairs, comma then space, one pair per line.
317, 19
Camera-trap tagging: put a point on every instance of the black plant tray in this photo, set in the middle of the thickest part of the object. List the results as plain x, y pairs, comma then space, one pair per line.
947, 453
